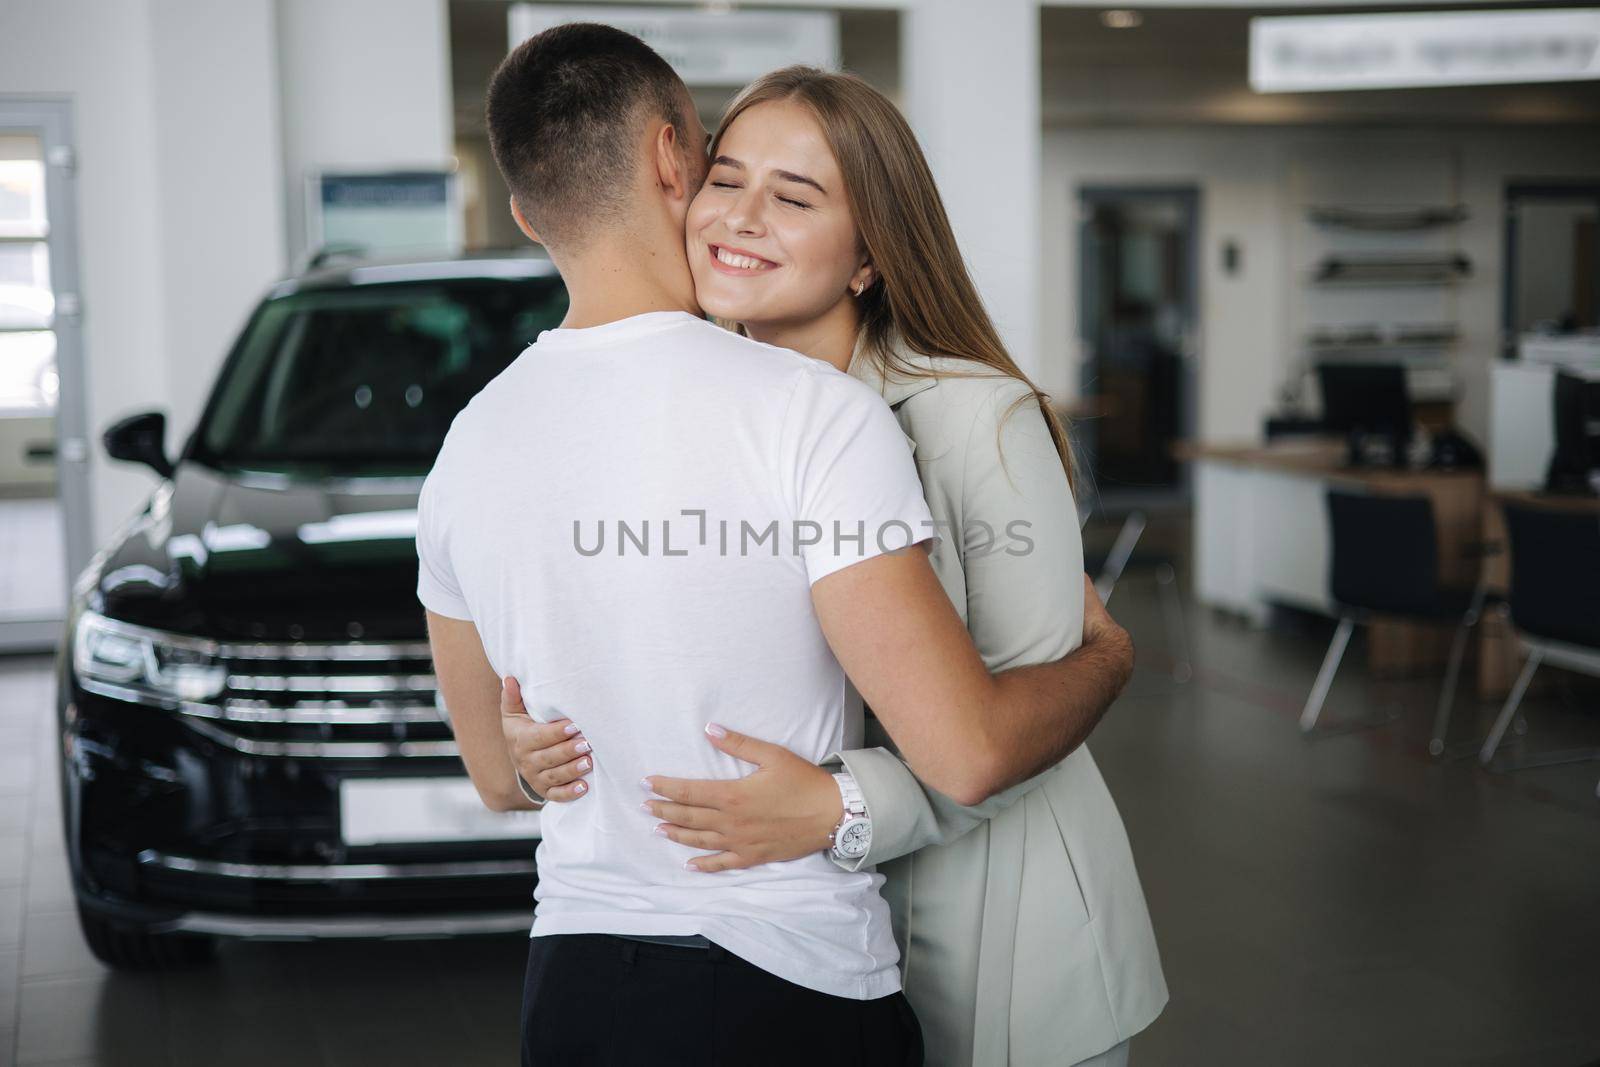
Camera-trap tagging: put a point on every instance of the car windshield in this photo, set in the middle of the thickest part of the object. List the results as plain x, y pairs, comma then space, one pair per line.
368, 376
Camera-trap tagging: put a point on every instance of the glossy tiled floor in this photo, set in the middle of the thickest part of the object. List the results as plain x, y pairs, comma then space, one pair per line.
1341, 900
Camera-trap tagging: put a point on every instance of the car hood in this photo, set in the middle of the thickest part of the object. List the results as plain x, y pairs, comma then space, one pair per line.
260, 556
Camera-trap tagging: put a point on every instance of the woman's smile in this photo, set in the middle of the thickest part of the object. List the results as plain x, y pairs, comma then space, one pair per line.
737, 261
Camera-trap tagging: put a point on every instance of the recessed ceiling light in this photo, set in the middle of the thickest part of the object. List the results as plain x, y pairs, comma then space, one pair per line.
1121, 19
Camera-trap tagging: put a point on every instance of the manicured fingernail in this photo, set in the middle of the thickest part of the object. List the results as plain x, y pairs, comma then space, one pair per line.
646, 808
716, 731
570, 729
660, 831
580, 788
689, 866
583, 746
645, 784
583, 765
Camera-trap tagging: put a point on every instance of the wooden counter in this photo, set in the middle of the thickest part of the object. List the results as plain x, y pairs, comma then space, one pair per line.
1261, 534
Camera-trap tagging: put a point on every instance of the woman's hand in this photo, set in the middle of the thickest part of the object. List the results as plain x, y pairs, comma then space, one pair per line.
785, 809
552, 757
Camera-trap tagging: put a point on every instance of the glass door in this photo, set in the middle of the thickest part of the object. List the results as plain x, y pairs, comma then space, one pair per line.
1552, 268
42, 477
1137, 329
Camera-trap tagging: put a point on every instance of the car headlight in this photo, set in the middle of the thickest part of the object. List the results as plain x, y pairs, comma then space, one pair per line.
146, 664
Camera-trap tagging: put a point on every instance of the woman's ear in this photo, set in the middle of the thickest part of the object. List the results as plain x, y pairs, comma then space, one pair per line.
863, 278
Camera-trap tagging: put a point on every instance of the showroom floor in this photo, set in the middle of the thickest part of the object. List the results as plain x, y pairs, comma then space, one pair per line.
1341, 900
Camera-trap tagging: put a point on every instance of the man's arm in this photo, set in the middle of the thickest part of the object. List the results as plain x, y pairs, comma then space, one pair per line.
471, 692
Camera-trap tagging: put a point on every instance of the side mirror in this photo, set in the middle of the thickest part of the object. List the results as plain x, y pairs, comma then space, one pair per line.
141, 439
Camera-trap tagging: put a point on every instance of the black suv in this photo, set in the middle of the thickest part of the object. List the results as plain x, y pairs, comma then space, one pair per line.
252, 741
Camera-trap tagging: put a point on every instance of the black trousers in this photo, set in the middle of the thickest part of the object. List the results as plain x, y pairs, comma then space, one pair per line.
592, 1000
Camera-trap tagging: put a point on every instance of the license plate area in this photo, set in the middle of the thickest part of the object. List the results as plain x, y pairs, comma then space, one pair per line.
387, 811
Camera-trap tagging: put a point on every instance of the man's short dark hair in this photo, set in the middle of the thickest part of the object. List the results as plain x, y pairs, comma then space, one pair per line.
565, 111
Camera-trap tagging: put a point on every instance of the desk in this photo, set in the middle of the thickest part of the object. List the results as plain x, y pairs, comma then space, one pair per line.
1522, 430
1261, 534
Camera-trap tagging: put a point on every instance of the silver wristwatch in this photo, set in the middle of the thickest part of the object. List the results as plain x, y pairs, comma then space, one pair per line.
852, 838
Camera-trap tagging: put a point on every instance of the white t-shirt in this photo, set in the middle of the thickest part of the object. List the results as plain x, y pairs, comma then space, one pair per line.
632, 515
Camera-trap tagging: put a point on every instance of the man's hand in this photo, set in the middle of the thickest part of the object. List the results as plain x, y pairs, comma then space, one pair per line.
783, 810
1099, 627
552, 757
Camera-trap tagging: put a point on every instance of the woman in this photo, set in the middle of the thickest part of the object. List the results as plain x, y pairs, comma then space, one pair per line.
1023, 931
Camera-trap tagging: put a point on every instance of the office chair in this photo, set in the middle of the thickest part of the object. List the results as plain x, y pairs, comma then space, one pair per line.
1555, 597
1385, 561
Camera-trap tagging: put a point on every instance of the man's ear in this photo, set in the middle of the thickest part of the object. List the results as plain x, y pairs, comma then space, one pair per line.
522, 223
667, 154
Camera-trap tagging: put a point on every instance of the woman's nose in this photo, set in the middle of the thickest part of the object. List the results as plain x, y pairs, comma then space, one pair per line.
744, 217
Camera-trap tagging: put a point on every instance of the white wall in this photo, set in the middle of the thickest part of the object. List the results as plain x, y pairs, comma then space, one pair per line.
1248, 346
990, 181
365, 85
217, 149
1242, 329
100, 57
195, 123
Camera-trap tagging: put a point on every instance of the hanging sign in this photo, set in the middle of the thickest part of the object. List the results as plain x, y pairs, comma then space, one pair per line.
715, 47
384, 212
1297, 53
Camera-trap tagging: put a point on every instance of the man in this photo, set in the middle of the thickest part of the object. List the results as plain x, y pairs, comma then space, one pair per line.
640, 520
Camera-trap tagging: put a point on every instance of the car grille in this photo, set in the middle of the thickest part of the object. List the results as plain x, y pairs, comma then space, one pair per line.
345, 701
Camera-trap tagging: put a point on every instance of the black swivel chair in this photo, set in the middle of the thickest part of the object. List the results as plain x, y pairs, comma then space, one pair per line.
1385, 561
1555, 596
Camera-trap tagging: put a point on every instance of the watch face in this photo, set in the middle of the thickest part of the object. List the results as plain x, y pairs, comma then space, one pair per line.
856, 838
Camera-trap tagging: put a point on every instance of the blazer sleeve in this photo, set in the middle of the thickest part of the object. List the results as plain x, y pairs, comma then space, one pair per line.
1022, 553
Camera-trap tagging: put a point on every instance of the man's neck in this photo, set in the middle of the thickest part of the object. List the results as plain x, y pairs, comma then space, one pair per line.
618, 279
830, 337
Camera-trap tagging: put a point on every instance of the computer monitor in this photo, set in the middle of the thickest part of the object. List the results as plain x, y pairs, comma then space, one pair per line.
1576, 460
1367, 400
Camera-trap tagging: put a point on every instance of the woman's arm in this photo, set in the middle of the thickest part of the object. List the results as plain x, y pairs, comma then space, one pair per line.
907, 815
471, 692
1023, 563
552, 757
1022, 557
787, 807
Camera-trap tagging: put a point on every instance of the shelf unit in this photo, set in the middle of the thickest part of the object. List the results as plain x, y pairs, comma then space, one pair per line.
1377, 248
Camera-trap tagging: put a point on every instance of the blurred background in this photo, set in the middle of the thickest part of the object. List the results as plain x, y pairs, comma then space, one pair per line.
1316, 285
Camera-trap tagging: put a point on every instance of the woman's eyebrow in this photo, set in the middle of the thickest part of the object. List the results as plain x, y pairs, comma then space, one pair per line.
790, 176
783, 175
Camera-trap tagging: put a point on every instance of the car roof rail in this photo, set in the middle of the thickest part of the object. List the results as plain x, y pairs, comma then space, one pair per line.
326, 254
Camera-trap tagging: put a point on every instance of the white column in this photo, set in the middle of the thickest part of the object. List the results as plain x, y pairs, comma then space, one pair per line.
972, 95
366, 86
215, 81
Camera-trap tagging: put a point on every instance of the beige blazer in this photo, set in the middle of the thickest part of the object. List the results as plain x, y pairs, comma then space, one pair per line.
1023, 932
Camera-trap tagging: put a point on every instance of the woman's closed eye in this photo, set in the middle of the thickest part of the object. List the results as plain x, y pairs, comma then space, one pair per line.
789, 200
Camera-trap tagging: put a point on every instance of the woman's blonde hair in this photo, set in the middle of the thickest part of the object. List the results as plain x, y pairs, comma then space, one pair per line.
921, 294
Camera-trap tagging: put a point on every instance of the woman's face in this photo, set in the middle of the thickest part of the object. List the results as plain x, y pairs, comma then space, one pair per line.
770, 237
